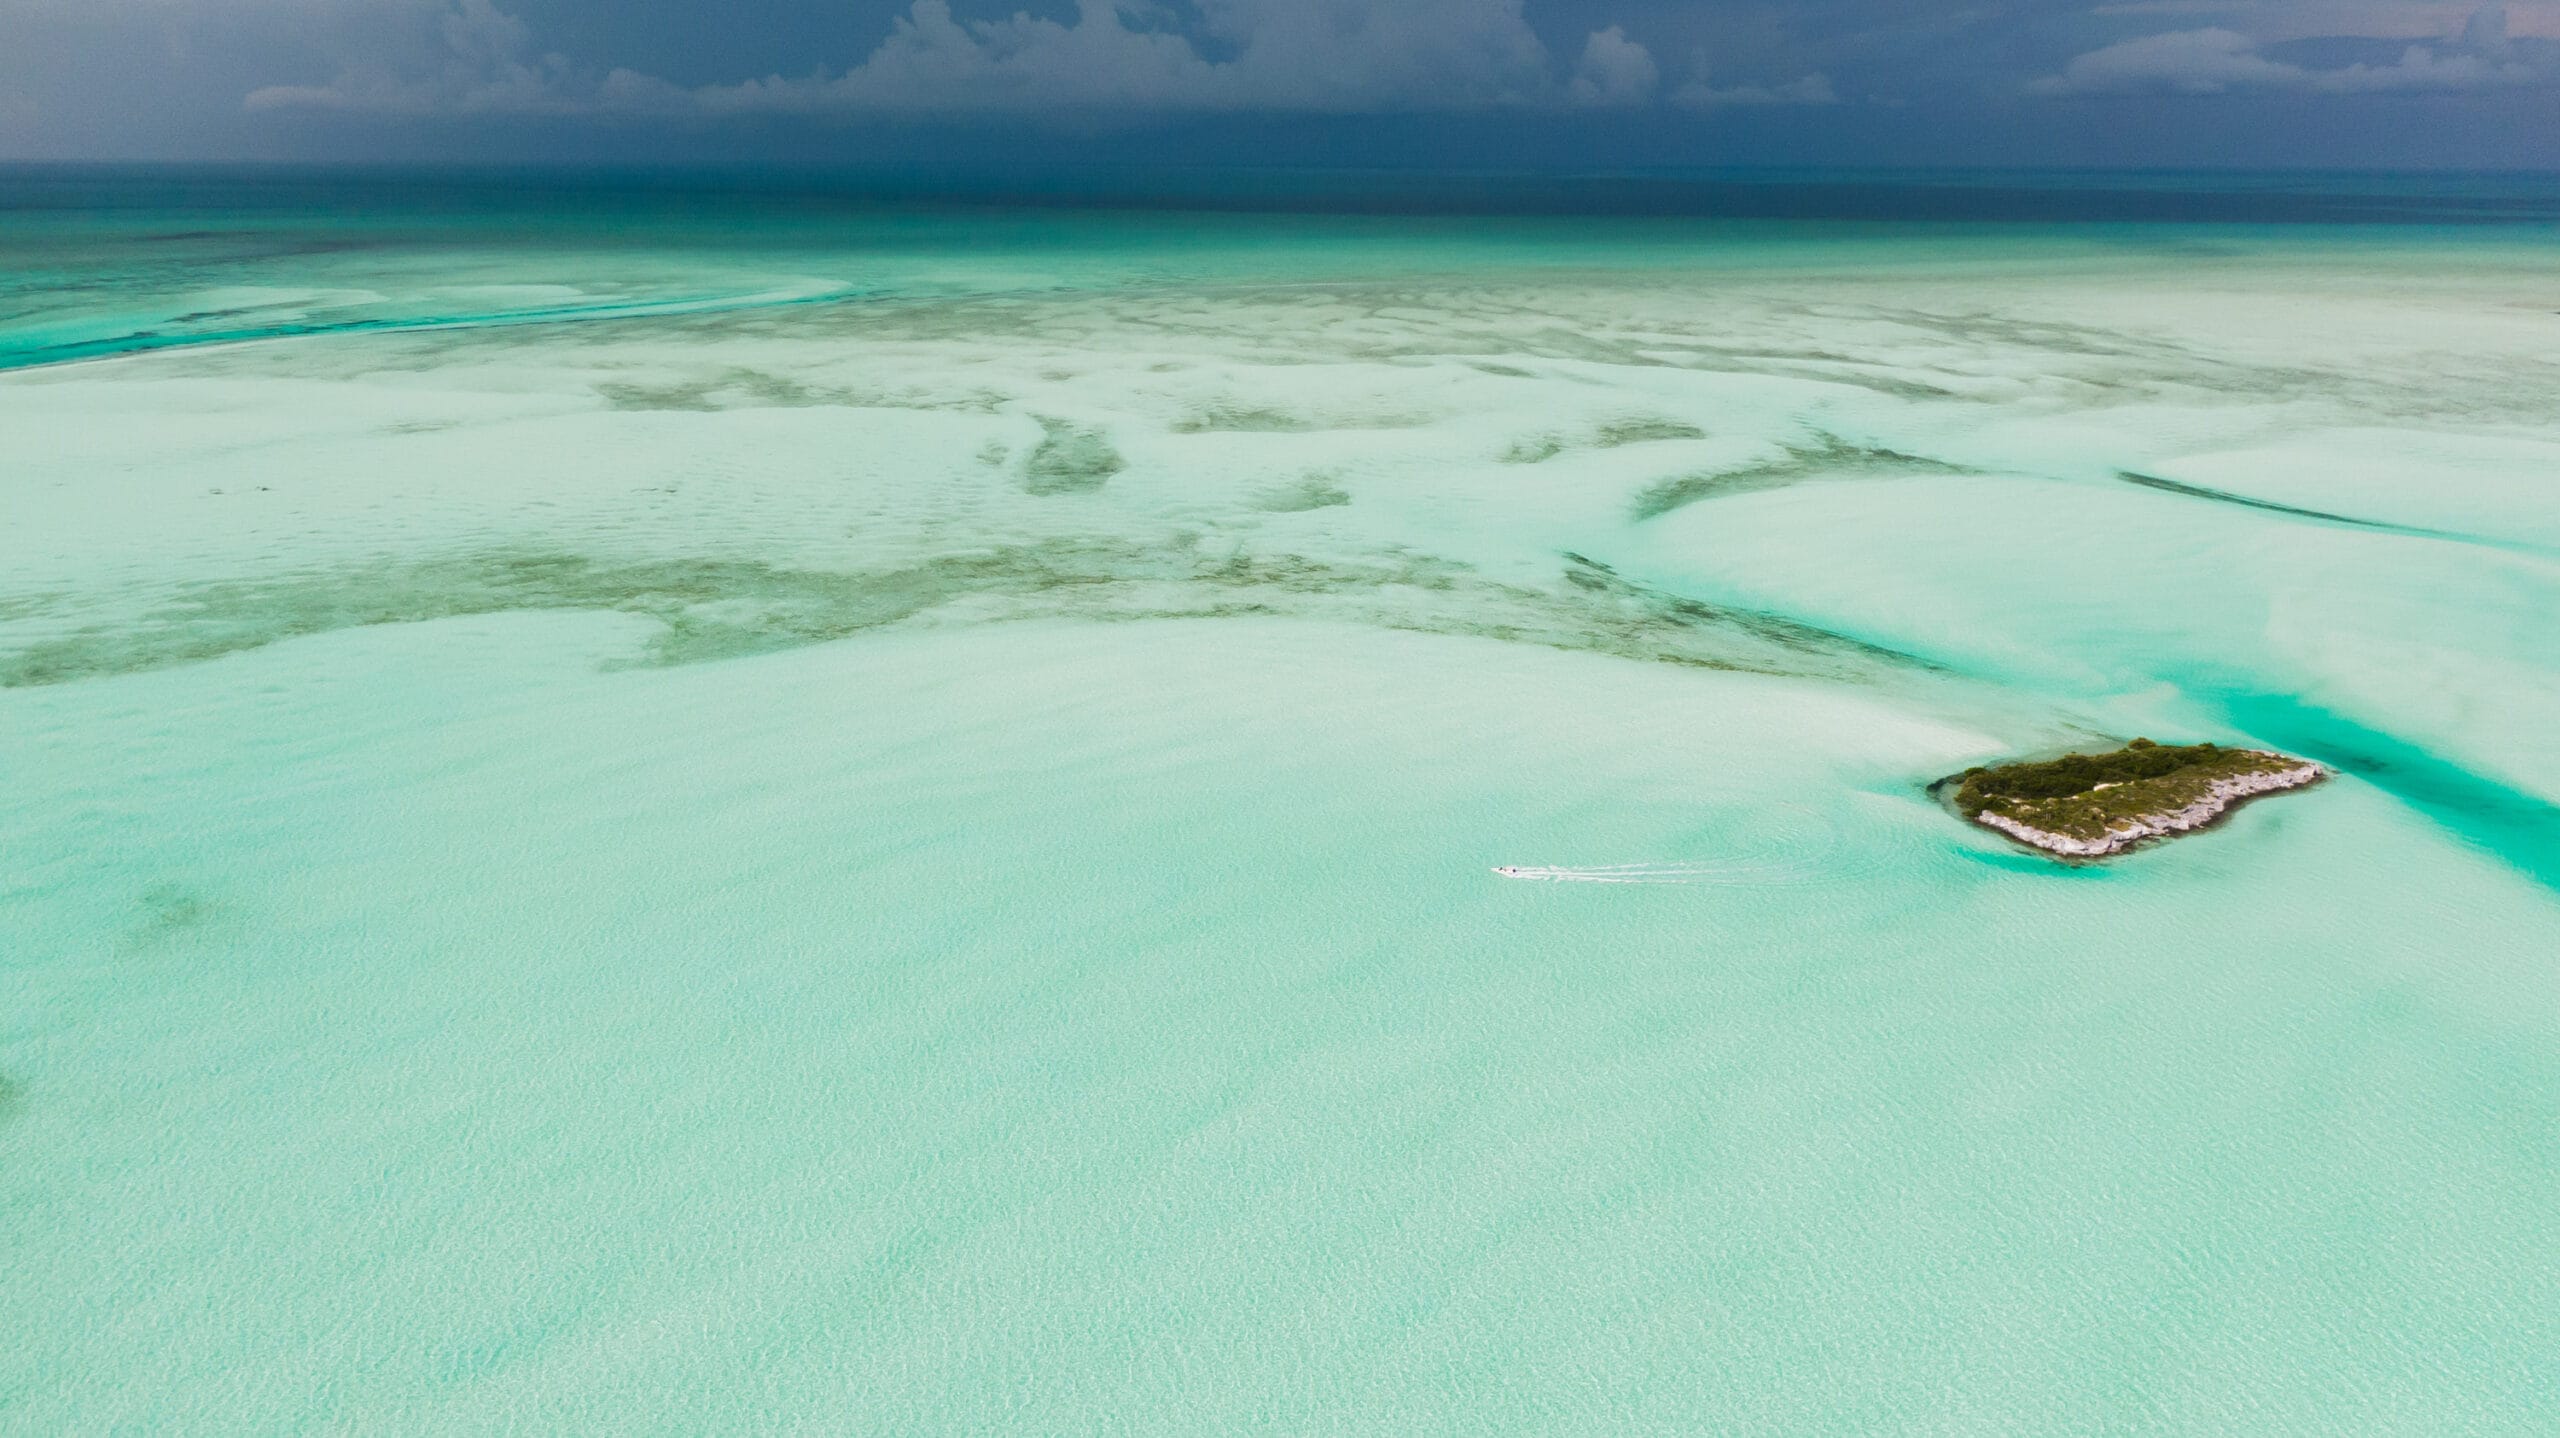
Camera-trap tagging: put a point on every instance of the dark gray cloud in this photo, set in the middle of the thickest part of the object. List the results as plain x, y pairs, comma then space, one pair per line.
2339, 81
1280, 56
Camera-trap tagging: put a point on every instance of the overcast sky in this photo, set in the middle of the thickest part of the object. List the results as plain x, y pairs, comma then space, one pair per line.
1589, 84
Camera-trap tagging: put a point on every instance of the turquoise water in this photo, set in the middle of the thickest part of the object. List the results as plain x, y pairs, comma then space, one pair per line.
723, 813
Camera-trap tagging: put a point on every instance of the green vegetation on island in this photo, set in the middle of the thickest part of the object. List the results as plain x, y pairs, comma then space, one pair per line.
2099, 803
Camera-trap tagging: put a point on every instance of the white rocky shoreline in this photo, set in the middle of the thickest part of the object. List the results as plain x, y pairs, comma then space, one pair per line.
2217, 801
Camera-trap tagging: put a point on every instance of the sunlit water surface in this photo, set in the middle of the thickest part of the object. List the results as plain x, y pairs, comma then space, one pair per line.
724, 816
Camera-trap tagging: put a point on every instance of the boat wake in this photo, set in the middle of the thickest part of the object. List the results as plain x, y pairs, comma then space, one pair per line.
1742, 872
1616, 873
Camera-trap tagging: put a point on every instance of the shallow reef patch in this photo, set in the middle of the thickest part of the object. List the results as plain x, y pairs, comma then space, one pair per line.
1314, 491
1831, 456
1242, 419
1533, 449
1643, 430
1235, 418
715, 608
168, 911
1069, 459
1643, 622
740, 387
1614, 434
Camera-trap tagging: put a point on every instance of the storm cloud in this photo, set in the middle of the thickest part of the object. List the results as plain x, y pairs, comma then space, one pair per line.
2318, 81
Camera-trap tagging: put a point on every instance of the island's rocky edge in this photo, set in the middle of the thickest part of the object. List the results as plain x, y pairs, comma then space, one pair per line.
2088, 806
2216, 801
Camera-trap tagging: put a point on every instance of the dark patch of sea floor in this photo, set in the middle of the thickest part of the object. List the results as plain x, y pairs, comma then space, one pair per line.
712, 608
2295, 511
1830, 458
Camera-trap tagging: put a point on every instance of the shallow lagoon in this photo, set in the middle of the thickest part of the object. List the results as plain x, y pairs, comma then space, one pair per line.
902, 840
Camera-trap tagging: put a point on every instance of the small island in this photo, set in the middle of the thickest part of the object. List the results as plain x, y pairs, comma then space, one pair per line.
2087, 806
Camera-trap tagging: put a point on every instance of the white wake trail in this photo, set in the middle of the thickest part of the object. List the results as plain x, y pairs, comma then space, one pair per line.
1624, 873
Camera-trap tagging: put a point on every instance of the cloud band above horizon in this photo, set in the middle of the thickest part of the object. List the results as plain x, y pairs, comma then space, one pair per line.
86, 72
